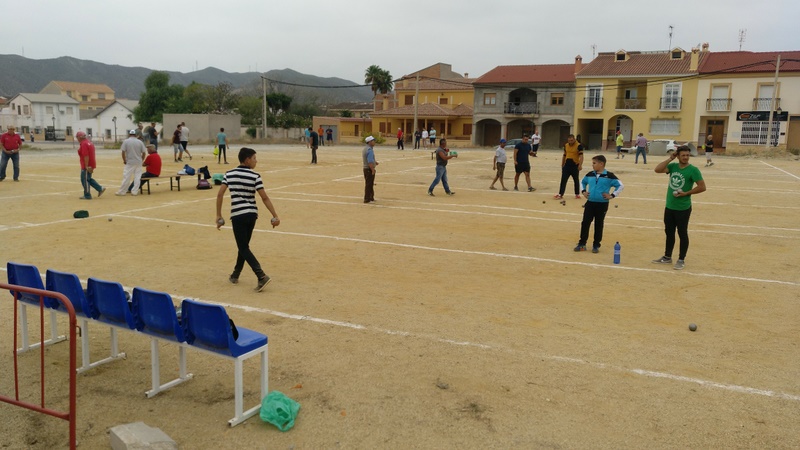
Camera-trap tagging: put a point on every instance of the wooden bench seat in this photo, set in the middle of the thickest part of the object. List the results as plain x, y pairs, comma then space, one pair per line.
174, 181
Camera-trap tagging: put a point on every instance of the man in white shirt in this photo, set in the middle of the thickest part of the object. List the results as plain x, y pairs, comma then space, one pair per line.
425, 138
499, 164
132, 156
184, 141
535, 139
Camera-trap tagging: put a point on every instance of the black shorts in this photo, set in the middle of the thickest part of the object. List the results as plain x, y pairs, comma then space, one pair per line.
519, 168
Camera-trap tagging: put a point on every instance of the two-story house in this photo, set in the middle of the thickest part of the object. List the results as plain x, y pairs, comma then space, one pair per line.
735, 95
514, 100
90, 96
436, 96
637, 92
34, 113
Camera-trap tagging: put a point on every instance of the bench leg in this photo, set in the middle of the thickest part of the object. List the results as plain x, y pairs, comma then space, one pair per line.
240, 415
156, 372
87, 364
54, 337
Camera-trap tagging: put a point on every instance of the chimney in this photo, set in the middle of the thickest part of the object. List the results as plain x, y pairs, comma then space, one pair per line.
578, 63
705, 47
466, 74
693, 63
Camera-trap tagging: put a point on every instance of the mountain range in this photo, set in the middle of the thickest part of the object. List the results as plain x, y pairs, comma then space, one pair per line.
20, 74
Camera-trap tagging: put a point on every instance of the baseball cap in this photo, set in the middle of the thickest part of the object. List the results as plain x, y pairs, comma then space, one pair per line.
502, 141
369, 139
80, 134
132, 132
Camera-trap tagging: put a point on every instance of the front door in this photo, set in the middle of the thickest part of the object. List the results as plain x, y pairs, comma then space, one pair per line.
625, 125
793, 133
716, 128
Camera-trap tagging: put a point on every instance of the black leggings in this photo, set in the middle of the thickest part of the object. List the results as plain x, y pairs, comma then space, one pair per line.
223, 154
242, 231
676, 220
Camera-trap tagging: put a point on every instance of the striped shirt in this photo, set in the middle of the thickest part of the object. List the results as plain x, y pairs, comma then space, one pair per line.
243, 184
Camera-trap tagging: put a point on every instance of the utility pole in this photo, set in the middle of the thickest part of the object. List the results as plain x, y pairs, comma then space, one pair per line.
264, 106
416, 102
670, 37
772, 107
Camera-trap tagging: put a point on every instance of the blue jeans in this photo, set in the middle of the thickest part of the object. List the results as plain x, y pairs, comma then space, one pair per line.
88, 182
441, 175
643, 152
4, 162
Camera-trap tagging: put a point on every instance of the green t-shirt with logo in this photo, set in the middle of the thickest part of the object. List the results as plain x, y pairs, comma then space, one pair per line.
684, 180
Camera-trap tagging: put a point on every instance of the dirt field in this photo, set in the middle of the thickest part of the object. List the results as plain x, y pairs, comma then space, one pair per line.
434, 322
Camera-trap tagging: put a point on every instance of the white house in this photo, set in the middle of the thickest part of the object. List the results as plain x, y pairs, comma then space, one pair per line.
35, 112
109, 124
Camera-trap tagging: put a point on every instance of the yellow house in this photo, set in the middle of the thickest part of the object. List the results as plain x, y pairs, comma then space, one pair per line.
91, 96
637, 92
439, 98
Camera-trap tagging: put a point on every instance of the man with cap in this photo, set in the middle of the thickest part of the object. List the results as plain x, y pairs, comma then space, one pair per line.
368, 158
400, 145
132, 156
10, 143
88, 164
499, 164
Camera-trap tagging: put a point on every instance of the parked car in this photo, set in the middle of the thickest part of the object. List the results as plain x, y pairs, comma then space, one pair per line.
21, 136
513, 142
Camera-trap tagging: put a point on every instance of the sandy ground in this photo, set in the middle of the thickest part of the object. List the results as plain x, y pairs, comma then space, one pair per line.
433, 322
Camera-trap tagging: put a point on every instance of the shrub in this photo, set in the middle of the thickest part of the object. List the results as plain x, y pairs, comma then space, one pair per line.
251, 132
378, 139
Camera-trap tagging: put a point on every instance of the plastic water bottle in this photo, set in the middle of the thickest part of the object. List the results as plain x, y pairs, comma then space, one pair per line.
617, 251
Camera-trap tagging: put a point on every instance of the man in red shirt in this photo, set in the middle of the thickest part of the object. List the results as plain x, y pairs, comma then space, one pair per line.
11, 144
88, 164
400, 145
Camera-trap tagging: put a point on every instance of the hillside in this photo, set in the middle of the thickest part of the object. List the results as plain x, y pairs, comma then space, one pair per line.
21, 74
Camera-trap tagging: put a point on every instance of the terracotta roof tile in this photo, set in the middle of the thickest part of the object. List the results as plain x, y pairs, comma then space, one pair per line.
83, 88
540, 73
427, 110
732, 62
639, 64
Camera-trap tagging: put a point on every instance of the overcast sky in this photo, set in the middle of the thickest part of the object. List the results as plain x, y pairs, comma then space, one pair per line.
331, 38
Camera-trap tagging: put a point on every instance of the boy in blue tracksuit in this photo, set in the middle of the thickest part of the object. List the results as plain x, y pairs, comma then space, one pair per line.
598, 186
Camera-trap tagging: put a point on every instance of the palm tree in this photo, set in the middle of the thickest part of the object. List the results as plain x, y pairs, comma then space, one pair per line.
381, 80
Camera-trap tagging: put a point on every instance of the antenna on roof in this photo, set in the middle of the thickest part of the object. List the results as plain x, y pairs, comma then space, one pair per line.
594, 50
742, 37
670, 37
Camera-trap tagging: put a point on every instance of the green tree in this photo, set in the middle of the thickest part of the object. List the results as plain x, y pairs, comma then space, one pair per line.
307, 110
379, 79
197, 97
277, 101
157, 98
222, 99
346, 113
250, 109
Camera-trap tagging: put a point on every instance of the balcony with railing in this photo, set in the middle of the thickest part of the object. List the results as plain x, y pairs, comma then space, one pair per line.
764, 104
718, 104
592, 103
632, 103
521, 108
671, 103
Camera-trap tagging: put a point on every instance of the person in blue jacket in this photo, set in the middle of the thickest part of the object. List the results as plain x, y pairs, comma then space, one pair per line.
598, 186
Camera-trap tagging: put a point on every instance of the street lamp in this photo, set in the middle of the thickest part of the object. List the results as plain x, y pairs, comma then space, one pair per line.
114, 119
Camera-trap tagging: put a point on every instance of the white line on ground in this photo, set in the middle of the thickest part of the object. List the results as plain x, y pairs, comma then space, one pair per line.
778, 168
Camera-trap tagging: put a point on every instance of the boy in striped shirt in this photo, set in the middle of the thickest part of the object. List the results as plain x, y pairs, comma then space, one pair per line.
244, 183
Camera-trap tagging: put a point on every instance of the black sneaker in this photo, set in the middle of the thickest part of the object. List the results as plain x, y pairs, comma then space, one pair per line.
451, 193
663, 260
233, 279
263, 282
431, 193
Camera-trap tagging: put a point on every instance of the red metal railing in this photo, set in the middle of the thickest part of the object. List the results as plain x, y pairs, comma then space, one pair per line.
73, 325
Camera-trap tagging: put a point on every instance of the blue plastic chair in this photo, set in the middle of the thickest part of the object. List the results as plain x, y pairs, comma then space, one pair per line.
156, 316
208, 328
28, 276
69, 285
112, 305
